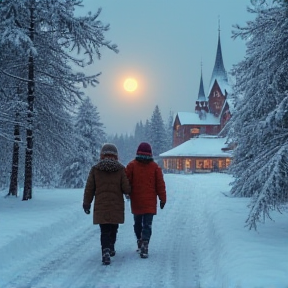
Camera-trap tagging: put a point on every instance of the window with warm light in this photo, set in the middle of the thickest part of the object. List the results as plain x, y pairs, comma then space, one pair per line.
194, 131
228, 162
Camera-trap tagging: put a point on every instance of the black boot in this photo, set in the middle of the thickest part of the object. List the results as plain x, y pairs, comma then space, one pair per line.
144, 249
139, 244
112, 250
106, 256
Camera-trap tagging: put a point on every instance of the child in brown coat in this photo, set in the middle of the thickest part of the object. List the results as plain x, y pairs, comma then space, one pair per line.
106, 184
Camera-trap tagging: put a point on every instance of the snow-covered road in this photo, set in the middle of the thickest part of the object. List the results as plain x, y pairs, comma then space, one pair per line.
59, 246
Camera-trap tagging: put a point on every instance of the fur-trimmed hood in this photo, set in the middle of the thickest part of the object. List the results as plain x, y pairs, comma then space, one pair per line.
109, 165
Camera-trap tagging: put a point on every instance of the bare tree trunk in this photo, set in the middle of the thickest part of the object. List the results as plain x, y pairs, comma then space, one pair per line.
15, 160
27, 193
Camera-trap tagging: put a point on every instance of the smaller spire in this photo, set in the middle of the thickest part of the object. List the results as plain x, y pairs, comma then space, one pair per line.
201, 94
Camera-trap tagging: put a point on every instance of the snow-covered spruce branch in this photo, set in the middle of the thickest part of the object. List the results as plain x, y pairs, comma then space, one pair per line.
14, 76
274, 191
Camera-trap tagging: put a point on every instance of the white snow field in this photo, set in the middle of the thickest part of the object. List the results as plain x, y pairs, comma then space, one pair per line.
198, 241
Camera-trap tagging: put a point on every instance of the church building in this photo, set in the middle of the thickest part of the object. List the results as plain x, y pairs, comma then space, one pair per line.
211, 114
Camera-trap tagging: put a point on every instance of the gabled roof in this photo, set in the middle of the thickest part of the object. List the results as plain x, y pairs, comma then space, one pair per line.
192, 118
203, 146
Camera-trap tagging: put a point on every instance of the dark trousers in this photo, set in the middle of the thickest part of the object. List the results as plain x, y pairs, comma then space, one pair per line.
143, 226
108, 235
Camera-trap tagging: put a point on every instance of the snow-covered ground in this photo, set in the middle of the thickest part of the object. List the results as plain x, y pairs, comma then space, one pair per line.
198, 240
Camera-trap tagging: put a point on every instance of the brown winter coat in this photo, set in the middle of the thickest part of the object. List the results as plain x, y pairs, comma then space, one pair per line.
146, 180
107, 182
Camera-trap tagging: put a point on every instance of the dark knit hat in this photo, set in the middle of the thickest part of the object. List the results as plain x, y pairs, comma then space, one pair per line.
144, 149
110, 149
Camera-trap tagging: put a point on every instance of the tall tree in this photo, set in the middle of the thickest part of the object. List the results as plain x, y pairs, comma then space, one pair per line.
89, 126
44, 33
90, 136
169, 132
12, 101
139, 133
259, 125
147, 131
158, 136
18, 104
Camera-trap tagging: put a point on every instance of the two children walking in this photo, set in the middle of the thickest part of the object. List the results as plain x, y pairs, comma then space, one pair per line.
109, 182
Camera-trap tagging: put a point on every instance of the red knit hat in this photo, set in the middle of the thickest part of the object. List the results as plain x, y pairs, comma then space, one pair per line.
144, 149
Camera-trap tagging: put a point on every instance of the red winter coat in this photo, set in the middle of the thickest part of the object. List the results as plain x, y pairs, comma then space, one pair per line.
147, 182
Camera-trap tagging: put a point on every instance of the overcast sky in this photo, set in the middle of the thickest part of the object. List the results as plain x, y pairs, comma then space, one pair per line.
162, 44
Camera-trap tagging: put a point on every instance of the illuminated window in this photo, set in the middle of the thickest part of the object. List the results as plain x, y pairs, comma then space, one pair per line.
194, 131
187, 164
199, 164
165, 163
228, 162
207, 164
204, 164
221, 164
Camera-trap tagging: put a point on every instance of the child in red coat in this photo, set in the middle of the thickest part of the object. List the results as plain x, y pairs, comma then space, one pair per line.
147, 183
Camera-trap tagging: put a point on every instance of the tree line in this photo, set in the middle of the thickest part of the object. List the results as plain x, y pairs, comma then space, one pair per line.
156, 131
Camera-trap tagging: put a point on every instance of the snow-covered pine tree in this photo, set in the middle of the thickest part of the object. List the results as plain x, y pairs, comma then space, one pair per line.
89, 126
259, 124
158, 136
127, 153
90, 137
44, 32
147, 131
169, 132
6, 141
17, 107
54, 138
139, 133
12, 105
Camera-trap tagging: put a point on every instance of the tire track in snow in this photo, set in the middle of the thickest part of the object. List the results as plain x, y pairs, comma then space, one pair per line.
183, 244
52, 265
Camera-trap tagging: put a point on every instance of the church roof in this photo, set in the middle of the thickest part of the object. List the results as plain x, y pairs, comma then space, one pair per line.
202, 146
192, 118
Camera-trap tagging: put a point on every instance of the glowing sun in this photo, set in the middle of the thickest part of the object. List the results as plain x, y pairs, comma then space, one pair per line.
130, 84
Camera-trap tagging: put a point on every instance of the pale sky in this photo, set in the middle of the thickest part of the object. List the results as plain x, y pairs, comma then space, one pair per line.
162, 44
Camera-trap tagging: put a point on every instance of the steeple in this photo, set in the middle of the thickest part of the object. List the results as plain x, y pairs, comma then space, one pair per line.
201, 94
219, 72
201, 102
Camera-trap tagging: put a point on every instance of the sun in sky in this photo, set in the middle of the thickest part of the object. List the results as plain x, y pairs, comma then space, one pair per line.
130, 85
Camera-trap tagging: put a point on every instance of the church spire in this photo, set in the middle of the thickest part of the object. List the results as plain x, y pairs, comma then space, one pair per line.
219, 72
201, 94
201, 103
